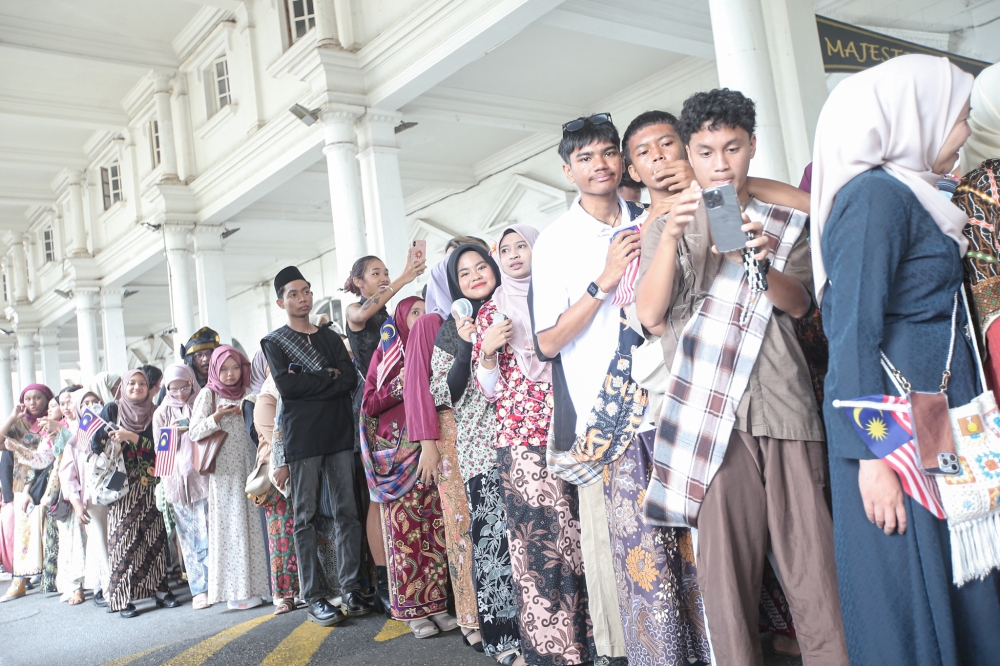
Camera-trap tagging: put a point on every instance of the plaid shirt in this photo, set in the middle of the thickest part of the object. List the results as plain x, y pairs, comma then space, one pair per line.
709, 375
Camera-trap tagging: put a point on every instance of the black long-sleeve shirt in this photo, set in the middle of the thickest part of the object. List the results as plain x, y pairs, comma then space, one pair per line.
316, 417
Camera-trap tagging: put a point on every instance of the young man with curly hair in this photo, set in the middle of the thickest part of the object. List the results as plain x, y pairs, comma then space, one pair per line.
739, 446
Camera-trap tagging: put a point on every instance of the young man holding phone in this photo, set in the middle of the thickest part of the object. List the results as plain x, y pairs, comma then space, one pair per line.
315, 377
739, 447
578, 262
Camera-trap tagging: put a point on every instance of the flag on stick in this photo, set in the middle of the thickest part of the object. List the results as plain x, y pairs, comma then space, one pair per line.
166, 446
392, 351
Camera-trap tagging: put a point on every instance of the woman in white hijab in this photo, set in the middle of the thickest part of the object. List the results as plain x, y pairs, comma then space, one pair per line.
887, 259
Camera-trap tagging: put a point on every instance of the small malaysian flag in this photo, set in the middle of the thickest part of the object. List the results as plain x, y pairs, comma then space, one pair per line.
883, 422
625, 293
392, 351
90, 423
166, 446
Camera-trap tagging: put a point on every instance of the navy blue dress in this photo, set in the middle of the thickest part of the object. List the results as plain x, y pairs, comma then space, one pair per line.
893, 276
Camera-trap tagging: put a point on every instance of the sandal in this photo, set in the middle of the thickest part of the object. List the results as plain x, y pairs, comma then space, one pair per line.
77, 598
444, 622
513, 658
423, 628
200, 601
286, 605
478, 644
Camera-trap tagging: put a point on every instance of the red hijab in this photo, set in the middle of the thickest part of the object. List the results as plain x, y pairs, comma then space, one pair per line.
47, 392
221, 354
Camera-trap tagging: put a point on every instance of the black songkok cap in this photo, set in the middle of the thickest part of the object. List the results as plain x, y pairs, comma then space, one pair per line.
284, 276
204, 338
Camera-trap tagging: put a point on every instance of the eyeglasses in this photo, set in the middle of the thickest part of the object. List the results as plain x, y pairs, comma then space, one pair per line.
577, 125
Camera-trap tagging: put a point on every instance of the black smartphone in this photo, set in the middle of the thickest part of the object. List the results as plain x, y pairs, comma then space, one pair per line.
725, 218
116, 481
295, 367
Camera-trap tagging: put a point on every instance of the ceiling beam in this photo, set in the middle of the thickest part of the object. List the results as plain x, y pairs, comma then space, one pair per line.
489, 110
436, 40
419, 174
637, 29
71, 42
64, 111
36, 159
23, 196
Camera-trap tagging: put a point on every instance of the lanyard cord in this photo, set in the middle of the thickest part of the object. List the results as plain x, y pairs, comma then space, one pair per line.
898, 377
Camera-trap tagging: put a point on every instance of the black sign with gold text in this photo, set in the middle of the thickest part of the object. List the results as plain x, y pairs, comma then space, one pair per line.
847, 48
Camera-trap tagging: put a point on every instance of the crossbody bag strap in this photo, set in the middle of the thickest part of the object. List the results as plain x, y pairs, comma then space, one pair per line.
975, 342
902, 385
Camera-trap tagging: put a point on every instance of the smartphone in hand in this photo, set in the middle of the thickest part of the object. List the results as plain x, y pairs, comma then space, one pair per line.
725, 217
417, 251
294, 368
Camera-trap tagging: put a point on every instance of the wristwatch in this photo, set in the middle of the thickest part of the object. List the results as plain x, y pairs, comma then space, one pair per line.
594, 290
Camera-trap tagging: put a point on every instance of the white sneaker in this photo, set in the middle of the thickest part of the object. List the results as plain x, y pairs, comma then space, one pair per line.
244, 604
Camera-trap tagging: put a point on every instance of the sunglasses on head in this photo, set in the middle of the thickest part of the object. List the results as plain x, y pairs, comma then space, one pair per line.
577, 125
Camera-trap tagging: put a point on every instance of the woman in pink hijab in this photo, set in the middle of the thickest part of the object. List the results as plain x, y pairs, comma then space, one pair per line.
887, 250
237, 559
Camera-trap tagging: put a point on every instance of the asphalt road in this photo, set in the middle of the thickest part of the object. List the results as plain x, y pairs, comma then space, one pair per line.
37, 630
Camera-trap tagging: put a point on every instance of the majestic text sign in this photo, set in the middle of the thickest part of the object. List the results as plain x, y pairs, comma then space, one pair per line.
847, 48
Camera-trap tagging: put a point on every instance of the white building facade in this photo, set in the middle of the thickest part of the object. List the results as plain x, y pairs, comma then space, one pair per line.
155, 177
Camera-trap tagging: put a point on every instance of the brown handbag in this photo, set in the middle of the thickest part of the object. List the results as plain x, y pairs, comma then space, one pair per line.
205, 452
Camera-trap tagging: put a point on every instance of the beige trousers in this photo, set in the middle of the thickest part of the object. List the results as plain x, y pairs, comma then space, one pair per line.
595, 544
769, 489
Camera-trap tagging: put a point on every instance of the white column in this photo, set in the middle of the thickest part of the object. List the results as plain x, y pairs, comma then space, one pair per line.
48, 341
165, 125
20, 274
326, 23
799, 78
8, 293
78, 247
6, 380
113, 323
30, 265
86, 331
181, 114
744, 64
25, 356
213, 307
179, 275
382, 186
345, 188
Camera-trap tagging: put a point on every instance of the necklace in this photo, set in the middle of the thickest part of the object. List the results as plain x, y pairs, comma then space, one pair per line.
617, 215
743, 206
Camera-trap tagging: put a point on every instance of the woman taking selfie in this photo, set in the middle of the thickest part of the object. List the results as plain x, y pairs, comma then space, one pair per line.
137, 539
185, 488
236, 557
887, 264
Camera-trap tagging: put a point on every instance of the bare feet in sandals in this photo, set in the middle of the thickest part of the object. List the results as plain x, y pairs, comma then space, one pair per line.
285, 605
423, 628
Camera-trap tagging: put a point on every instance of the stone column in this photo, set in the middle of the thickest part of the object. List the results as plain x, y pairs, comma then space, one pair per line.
178, 258
6, 380
19, 273
326, 23
213, 307
345, 187
25, 356
744, 64
86, 331
48, 341
78, 246
382, 186
165, 124
113, 323
182, 136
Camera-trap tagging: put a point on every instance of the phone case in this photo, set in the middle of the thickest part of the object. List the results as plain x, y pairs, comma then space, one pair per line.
724, 217
932, 433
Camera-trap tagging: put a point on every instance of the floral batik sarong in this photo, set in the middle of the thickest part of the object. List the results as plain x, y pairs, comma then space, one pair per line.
491, 572
416, 554
457, 523
658, 595
284, 567
543, 528
50, 560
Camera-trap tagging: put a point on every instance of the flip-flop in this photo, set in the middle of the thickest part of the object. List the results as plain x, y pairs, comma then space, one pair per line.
284, 606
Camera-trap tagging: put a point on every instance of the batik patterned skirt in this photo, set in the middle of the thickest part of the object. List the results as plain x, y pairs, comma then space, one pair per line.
543, 528
137, 546
50, 560
659, 599
191, 523
491, 571
457, 523
283, 565
416, 554
29, 538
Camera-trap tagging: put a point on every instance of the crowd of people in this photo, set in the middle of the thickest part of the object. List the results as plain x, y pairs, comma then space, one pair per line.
606, 441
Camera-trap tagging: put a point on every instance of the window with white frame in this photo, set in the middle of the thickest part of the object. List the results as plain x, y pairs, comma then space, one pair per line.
111, 184
301, 18
217, 91
48, 244
154, 142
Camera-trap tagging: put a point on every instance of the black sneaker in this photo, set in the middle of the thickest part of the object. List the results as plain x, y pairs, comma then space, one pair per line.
323, 614
354, 604
99, 598
129, 611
